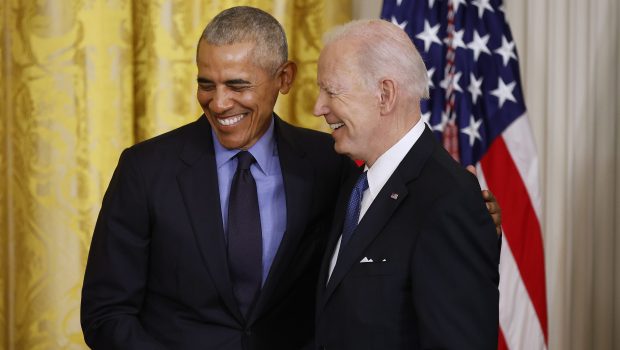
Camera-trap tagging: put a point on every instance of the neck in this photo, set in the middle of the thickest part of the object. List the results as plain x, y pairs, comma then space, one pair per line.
393, 133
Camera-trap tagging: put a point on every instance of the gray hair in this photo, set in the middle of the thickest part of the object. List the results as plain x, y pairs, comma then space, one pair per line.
243, 24
384, 51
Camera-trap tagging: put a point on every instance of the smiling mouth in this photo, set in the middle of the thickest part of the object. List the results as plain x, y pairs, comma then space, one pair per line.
235, 119
336, 126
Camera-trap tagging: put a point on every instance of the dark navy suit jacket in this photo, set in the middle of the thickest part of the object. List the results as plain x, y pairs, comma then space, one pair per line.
157, 274
432, 282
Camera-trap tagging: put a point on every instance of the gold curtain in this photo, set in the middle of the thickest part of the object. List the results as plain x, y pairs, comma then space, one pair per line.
80, 81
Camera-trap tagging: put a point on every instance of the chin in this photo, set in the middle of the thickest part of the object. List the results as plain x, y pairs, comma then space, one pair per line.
228, 142
340, 149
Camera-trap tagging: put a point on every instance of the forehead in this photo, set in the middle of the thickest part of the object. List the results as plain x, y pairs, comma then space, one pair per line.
337, 65
238, 58
340, 54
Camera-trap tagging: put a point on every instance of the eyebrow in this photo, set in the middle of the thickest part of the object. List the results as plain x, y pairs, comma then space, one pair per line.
237, 82
331, 88
227, 82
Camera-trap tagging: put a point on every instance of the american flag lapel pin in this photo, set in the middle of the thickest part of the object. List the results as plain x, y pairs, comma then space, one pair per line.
394, 195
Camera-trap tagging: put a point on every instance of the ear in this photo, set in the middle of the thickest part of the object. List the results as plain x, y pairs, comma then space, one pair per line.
287, 74
387, 100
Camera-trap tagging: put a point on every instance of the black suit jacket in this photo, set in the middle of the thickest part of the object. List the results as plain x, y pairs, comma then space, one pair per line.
157, 274
434, 276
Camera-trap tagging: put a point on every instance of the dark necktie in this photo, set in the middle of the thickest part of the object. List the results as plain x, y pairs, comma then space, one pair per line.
353, 209
245, 242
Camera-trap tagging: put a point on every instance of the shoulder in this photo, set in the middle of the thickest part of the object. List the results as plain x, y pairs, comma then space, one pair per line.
174, 139
447, 173
304, 137
163, 154
316, 147
310, 143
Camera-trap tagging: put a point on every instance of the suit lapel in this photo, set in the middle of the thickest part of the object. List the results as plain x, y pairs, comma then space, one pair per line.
199, 188
298, 177
369, 227
336, 229
379, 212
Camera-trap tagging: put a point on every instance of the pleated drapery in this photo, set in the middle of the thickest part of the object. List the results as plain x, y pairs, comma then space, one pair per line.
569, 53
80, 81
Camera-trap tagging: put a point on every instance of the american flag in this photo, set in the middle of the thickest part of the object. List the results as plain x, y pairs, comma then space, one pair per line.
476, 108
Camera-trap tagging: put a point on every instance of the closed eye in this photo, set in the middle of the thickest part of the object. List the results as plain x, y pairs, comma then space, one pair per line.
329, 92
205, 84
239, 87
206, 87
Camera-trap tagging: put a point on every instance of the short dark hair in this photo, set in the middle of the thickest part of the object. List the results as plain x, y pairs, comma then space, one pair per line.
242, 24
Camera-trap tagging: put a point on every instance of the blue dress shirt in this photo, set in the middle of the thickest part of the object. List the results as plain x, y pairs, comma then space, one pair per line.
269, 187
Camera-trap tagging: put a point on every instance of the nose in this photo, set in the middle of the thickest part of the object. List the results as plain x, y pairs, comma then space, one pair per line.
221, 101
320, 108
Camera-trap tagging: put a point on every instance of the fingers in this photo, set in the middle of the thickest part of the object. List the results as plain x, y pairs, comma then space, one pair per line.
471, 169
489, 198
497, 220
491, 202
494, 209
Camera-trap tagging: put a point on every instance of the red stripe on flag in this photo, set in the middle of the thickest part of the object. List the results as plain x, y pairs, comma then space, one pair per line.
501, 341
521, 227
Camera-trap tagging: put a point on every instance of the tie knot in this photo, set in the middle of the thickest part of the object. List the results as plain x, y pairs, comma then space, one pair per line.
245, 159
362, 182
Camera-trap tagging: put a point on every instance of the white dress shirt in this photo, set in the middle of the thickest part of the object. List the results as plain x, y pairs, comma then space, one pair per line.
379, 173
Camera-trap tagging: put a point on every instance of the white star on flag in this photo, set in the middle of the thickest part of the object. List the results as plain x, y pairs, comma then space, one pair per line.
504, 92
426, 117
474, 87
440, 126
401, 25
430, 73
455, 82
482, 5
506, 50
472, 130
457, 40
429, 35
431, 3
478, 44
398, 2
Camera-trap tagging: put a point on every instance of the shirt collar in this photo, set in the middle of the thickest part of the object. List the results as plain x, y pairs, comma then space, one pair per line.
387, 163
263, 150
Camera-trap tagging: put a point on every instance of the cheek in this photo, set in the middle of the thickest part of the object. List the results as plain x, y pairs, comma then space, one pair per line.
203, 98
336, 109
262, 99
261, 106
248, 100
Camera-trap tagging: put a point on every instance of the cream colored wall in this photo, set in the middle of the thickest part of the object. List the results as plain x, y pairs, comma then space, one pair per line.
366, 9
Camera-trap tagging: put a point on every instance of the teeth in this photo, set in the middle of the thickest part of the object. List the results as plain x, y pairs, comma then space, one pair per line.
335, 126
231, 120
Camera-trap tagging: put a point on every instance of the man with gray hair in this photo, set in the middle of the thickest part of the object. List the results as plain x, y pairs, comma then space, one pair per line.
412, 258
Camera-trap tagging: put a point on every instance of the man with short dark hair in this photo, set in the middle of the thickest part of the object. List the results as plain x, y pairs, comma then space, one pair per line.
175, 263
